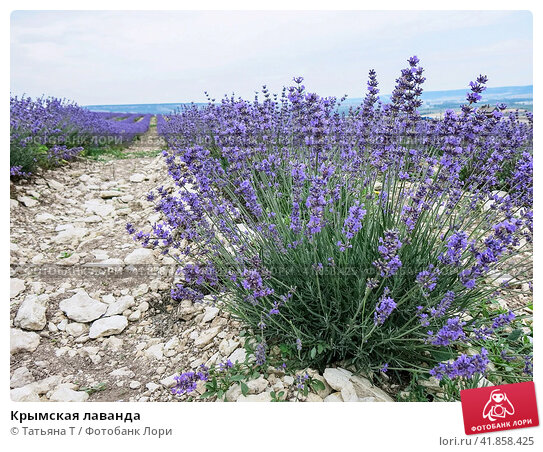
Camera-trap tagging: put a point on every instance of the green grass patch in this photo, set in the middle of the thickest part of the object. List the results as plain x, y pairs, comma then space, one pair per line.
103, 153
142, 154
96, 388
116, 153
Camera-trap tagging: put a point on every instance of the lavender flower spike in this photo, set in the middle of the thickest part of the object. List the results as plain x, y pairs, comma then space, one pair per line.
384, 308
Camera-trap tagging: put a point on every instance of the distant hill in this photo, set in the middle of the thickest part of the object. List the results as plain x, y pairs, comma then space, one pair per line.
438, 101
153, 109
433, 101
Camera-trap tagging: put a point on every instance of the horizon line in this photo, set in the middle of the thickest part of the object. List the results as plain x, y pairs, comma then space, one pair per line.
352, 98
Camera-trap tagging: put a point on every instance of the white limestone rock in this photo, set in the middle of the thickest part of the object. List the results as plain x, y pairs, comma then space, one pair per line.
16, 286
257, 386
140, 256
44, 217
70, 234
206, 336
108, 326
28, 201
334, 397
77, 329
21, 377
238, 356
66, 393
155, 351
122, 372
31, 313
22, 341
137, 177
337, 378
263, 397
24, 394
364, 388
312, 397
82, 308
209, 314
122, 304
169, 382
227, 346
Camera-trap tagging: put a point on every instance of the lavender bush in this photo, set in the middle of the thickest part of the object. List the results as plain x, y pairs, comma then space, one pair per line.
46, 131
376, 237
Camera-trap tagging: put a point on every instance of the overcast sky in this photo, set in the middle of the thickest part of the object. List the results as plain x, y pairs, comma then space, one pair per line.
156, 57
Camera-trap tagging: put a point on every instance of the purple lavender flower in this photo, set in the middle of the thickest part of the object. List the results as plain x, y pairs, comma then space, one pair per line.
260, 353
371, 96
343, 246
506, 357
200, 275
427, 279
187, 382
423, 316
503, 319
17, 171
274, 310
476, 89
298, 179
353, 223
451, 332
225, 366
318, 267
319, 197
464, 367
389, 245
246, 190
444, 304
483, 332
384, 308
456, 244
528, 365
300, 381
252, 281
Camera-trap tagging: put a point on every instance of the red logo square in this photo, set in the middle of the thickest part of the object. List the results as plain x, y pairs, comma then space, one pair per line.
496, 408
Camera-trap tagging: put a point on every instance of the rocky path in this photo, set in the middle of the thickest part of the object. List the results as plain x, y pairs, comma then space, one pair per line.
90, 312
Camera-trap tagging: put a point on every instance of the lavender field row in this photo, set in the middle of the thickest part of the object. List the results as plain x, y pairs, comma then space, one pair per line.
47, 131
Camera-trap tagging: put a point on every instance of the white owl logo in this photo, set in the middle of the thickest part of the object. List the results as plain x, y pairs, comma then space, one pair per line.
498, 406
